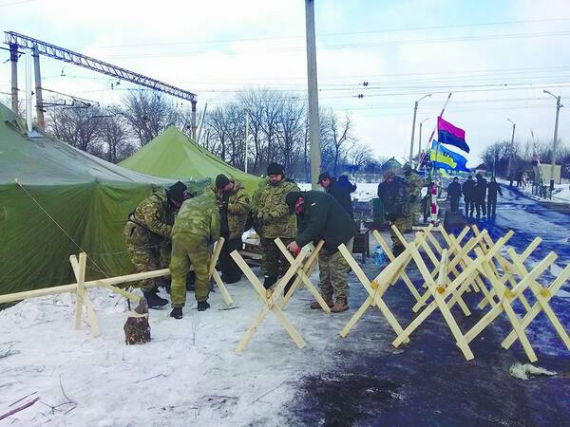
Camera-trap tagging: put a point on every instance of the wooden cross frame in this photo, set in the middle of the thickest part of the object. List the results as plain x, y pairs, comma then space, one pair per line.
377, 287
214, 273
303, 275
506, 297
444, 295
542, 294
269, 301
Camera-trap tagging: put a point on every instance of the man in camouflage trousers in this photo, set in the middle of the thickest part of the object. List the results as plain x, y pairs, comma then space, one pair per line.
415, 189
147, 233
394, 195
197, 226
321, 217
273, 219
234, 206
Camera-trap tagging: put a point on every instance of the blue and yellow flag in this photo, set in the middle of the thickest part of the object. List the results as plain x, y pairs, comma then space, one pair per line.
443, 158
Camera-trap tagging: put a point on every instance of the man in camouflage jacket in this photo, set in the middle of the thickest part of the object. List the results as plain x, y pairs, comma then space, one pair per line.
414, 182
272, 220
234, 206
197, 226
147, 233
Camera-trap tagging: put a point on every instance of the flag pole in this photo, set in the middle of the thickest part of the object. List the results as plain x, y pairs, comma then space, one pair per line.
429, 140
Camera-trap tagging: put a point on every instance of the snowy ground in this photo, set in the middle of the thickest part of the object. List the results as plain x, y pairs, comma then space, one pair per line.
561, 194
365, 191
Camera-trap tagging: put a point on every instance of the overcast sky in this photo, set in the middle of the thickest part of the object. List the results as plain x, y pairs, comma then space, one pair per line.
496, 57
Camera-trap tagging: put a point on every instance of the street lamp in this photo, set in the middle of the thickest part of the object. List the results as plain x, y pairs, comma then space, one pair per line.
414, 125
553, 155
511, 149
420, 142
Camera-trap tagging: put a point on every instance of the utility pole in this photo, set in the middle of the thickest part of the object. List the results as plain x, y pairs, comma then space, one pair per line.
414, 126
246, 138
510, 166
14, 63
420, 142
194, 123
555, 142
313, 93
39, 96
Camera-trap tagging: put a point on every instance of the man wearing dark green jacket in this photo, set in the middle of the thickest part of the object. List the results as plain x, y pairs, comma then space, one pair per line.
321, 217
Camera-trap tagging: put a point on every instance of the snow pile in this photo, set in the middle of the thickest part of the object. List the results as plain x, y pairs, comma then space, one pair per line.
561, 193
189, 374
365, 191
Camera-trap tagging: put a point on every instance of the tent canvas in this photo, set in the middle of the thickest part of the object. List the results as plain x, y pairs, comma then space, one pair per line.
56, 199
172, 155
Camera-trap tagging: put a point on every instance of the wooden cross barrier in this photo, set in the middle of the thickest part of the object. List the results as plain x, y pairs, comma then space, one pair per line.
542, 294
377, 287
445, 295
391, 257
269, 301
506, 297
303, 275
214, 273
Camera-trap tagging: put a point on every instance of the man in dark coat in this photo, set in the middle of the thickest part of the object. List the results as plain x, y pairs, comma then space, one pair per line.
480, 194
321, 217
469, 196
492, 190
339, 192
454, 194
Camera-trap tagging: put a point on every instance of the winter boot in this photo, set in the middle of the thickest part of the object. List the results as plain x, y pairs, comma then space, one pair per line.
269, 281
203, 305
153, 300
176, 313
328, 300
340, 305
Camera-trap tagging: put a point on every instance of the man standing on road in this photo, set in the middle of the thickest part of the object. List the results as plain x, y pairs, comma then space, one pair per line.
233, 203
415, 190
321, 217
454, 194
469, 196
492, 191
273, 219
341, 194
197, 226
480, 193
394, 195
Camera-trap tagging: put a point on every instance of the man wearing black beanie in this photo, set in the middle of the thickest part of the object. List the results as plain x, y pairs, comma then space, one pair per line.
272, 220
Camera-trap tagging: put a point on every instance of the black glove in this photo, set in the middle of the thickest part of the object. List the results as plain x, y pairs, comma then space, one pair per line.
223, 205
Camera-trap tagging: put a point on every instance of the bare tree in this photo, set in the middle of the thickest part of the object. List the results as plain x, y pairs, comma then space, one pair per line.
148, 113
78, 126
115, 135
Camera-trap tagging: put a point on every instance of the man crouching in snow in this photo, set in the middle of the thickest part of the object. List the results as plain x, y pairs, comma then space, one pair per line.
196, 227
321, 217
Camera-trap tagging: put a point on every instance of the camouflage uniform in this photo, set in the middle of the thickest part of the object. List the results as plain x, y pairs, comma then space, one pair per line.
196, 227
273, 220
147, 233
415, 188
332, 272
236, 212
395, 194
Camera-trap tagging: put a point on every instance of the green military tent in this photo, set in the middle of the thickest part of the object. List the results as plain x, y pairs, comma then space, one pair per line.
172, 155
55, 201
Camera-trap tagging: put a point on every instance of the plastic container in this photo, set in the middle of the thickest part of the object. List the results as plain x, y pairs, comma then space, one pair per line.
379, 257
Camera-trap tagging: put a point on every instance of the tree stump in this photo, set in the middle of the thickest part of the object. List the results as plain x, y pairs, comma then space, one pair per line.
137, 328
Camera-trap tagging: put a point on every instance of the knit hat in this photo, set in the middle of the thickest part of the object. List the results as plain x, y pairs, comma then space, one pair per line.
291, 199
222, 181
275, 169
177, 191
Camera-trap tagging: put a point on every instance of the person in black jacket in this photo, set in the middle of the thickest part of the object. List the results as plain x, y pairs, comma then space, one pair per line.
454, 194
321, 217
480, 193
492, 189
469, 196
340, 192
